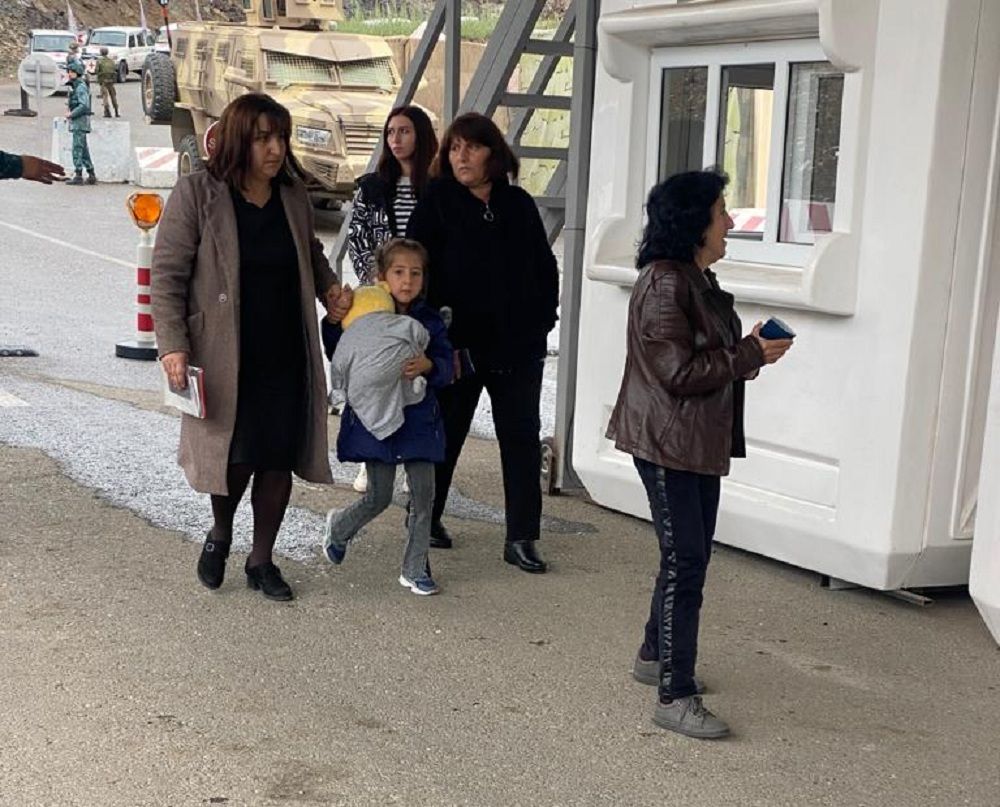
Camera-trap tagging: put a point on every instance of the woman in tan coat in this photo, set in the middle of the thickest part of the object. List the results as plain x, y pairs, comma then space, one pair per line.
237, 270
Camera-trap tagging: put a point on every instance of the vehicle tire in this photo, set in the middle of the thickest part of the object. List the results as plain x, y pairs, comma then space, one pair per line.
190, 158
122, 73
159, 88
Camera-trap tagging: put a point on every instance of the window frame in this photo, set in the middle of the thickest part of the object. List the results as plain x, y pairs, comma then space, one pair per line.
782, 54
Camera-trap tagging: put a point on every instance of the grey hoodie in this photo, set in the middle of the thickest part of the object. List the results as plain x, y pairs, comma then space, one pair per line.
368, 366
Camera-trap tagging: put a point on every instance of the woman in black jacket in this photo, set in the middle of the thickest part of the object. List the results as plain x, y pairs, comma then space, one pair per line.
491, 265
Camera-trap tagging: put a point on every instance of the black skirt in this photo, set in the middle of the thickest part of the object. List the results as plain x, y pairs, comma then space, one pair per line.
271, 405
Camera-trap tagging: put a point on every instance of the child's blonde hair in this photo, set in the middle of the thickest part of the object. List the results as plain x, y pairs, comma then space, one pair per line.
383, 255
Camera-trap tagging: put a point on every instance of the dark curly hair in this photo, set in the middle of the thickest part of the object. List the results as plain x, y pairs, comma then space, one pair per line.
679, 211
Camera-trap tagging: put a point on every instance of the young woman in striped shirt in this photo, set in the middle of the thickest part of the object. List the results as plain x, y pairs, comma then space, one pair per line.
386, 197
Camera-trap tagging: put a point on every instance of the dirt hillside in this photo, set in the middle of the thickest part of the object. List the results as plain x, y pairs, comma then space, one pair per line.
17, 17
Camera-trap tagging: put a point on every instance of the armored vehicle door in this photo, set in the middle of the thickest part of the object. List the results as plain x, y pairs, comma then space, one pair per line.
216, 90
199, 72
238, 64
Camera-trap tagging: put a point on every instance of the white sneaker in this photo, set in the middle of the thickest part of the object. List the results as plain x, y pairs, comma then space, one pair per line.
361, 480
422, 585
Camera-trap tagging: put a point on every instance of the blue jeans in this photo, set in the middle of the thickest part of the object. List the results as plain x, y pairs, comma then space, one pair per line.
378, 496
684, 506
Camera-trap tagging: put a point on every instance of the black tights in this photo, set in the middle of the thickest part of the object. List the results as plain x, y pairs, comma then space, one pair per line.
269, 498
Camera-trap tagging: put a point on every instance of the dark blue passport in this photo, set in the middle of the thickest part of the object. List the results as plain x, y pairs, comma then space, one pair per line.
774, 328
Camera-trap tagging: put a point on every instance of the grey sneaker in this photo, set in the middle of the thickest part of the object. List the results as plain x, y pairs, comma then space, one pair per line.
689, 716
332, 550
648, 672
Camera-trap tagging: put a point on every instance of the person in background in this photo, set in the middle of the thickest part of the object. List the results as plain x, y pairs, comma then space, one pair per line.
25, 166
679, 414
491, 264
107, 73
386, 197
236, 273
75, 54
417, 444
79, 124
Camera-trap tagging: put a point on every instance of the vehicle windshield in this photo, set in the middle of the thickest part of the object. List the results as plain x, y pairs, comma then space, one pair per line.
114, 38
51, 43
285, 69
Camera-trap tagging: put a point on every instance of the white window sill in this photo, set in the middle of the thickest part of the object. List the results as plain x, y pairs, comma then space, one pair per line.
816, 286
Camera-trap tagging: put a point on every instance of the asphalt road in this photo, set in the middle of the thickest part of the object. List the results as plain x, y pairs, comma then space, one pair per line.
123, 682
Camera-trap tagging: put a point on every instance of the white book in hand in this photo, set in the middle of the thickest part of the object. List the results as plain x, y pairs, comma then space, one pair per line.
191, 400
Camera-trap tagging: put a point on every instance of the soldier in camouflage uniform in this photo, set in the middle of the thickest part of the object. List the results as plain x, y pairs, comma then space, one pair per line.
79, 124
107, 72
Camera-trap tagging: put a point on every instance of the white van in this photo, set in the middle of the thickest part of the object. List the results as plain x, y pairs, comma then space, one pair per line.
54, 43
127, 46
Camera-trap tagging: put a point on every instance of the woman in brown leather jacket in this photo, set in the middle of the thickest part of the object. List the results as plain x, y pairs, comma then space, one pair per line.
680, 415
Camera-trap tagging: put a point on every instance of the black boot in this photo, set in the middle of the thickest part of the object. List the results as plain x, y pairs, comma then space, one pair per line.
76, 180
440, 539
267, 579
524, 555
212, 563
91, 178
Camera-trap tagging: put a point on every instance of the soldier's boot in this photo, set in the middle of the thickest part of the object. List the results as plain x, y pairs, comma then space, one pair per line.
76, 180
107, 113
91, 178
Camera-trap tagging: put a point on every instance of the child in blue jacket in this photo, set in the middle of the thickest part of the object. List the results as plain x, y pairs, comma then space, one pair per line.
418, 444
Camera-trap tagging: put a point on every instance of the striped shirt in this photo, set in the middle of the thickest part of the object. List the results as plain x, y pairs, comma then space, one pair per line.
403, 204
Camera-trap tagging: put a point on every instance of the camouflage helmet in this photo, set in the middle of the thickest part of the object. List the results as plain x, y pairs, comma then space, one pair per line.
75, 66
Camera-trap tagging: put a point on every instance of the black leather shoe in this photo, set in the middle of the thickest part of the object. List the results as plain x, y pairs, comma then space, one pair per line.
440, 539
212, 562
523, 555
267, 579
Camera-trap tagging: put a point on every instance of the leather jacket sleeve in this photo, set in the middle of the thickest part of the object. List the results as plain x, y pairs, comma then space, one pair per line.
666, 328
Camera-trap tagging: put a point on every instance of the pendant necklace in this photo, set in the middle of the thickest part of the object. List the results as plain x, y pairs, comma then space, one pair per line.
487, 213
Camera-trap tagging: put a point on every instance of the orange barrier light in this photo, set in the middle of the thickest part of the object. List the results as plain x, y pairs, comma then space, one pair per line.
145, 209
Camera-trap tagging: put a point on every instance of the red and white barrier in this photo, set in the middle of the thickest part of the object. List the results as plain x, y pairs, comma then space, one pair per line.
155, 167
748, 220
800, 220
144, 345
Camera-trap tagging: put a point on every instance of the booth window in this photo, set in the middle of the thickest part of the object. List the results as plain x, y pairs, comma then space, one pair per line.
683, 129
746, 102
812, 145
769, 115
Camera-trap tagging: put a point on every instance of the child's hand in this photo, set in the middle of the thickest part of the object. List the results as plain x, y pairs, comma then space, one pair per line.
418, 365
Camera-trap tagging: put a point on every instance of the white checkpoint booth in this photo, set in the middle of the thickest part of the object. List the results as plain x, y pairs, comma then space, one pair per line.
861, 139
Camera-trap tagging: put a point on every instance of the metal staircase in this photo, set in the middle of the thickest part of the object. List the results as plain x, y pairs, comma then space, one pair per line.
563, 205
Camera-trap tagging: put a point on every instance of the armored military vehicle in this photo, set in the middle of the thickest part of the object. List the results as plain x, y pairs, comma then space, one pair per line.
338, 87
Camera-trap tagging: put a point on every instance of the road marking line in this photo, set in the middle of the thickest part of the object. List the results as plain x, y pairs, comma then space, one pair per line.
6, 399
67, 244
